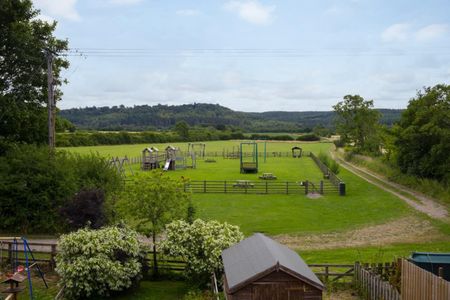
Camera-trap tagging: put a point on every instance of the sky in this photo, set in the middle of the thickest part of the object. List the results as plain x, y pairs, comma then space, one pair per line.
250, 55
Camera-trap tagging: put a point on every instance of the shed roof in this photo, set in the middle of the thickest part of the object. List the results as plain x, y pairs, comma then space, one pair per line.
254, 256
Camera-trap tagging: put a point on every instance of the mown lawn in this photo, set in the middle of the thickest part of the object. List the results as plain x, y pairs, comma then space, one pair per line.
277, 214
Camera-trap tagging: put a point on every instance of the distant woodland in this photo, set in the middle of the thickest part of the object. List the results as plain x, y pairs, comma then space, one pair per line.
145, 117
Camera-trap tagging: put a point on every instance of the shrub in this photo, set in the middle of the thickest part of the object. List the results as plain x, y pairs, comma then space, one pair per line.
36, 183
308, 137
334, 167
200, 244
339, 143
85, 209
329, 162
97, 262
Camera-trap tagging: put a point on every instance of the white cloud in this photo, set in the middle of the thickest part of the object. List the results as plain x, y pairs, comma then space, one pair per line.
187, 12
431, 32
61, 8
252, 11
396, 33
124, 2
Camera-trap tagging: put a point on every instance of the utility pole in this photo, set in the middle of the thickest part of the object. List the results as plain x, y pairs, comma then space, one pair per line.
51, 106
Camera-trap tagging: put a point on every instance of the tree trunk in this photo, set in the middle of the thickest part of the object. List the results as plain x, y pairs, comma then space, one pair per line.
155, 262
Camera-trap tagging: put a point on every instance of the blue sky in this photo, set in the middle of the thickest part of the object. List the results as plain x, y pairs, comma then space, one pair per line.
251, 55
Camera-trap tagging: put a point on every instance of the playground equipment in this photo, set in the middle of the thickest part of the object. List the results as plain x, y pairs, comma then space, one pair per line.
296, 152
234, 154
171, 158
249, 164
192, 149
15, 278
122, 165
150, 159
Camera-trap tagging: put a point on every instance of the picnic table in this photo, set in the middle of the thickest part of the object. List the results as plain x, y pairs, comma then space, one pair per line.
243, 184
267, 176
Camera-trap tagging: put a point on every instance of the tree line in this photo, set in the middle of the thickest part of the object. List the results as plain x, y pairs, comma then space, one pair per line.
145, 117
418, 144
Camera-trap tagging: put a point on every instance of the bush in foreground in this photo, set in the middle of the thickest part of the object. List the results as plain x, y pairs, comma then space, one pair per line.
95, 263
200, 244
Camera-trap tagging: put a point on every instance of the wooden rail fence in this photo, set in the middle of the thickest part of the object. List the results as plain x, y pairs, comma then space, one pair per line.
419, 284
259, 187
372, 285
336, 181
46, 252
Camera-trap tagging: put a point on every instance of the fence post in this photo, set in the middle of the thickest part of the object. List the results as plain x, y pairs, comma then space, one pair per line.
266, 187
204, 186
52, 257
9, 252
225, 186
341, 188
287, 187
321, 187
306, 187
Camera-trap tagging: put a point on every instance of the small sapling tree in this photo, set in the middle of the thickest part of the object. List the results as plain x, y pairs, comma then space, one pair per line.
151, 201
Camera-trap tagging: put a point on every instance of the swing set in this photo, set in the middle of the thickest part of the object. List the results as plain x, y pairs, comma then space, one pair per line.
15, 277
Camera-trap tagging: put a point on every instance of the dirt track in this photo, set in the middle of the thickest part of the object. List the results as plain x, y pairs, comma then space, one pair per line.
417, 200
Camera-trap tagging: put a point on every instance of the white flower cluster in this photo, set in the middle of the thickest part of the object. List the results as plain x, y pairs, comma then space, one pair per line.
200, 244
95, 262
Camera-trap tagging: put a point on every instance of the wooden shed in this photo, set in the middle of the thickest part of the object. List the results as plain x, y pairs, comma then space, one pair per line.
259, 268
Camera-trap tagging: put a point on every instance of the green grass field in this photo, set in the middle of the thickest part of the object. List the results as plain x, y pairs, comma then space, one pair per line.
364, 205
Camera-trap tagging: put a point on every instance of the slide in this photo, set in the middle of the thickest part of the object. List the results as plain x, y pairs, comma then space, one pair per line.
166, 165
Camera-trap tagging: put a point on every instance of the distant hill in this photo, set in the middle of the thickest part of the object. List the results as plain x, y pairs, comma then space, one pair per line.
145, 117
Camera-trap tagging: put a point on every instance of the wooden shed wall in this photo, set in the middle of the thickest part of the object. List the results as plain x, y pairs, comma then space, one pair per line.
277, 286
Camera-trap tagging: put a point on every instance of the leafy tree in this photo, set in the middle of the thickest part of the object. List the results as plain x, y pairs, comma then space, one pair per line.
200, 244
423, 142
35, 184
93, 263
357, 122
151, 201
23, 71
85, 209
182, 128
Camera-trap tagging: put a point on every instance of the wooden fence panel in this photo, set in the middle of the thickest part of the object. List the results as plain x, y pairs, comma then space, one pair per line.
372, 286
419, 284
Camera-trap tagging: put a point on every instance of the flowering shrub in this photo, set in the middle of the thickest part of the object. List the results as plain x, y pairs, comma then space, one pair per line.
200, 244
96, 262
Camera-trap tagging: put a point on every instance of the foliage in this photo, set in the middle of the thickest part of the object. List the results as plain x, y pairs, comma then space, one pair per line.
85, 209
281, 137
310, 137
357, 123
23, 69
200, 244
81, 138
339, 143
329, 162
423, 142
36, 183
144, 117
151, 201
97, 262
182, 128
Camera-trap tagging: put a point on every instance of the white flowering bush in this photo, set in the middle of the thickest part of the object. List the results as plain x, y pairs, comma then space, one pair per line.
97, 262
200, 244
